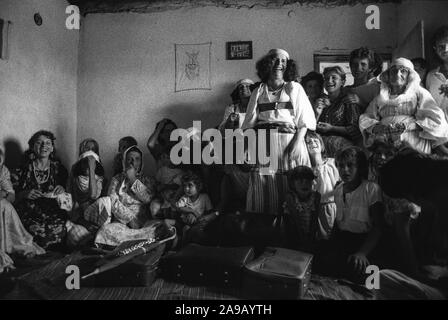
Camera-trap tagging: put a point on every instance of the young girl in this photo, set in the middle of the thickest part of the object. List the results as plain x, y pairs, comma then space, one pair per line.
302, 205
327, 176
359, 208
14, 239
194, 208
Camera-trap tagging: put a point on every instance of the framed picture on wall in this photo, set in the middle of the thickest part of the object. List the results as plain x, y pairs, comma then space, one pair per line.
239, 50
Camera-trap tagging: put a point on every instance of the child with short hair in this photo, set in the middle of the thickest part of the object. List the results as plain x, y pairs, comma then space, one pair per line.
359, 207
327, 176
302, 205
194, 209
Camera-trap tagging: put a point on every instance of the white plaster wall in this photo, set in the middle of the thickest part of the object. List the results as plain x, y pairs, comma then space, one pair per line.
38, 81
126, 62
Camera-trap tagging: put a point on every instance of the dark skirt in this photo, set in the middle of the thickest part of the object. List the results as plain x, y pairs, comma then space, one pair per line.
44, 220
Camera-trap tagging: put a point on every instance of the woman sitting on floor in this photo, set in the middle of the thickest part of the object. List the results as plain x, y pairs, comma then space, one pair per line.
86, 185
124, 214
41, 182
123, 144
14, 239
338, 123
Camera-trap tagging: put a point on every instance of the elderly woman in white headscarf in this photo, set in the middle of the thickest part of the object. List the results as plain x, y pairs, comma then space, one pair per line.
278, 103
404, 114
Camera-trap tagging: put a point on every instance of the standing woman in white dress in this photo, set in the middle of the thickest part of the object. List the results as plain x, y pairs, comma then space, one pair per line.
282, 104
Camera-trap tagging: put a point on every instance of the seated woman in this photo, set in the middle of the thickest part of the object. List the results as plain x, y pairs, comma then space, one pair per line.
123, 144
85, 185
87, 176
282, 104
41, 180
14, 239
338, 123
404, 113
235, 113
124, 214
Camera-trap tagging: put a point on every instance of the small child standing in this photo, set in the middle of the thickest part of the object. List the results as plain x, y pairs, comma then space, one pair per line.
327, 176
359, 207
302, 206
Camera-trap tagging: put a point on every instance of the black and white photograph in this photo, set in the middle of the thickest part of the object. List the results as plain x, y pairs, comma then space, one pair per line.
223, 155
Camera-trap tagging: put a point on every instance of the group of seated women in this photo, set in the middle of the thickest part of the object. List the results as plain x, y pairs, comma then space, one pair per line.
330, 145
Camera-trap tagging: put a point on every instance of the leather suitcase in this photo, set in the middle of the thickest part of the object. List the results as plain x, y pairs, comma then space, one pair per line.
277, 273
141, 271
211, 266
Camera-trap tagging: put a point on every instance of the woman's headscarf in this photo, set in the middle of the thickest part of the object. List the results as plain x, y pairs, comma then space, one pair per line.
279, 51
413, 80
131, 149
413, 77
81, 180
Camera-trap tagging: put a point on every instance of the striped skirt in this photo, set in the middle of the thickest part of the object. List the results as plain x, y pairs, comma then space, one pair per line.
268, 185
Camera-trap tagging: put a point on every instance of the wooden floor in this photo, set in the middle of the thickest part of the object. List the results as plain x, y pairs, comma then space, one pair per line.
48, 282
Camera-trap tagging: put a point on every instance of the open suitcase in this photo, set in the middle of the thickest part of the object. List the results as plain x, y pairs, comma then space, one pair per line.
277, 273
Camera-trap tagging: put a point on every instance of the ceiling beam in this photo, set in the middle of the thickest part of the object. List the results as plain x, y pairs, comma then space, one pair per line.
144, 6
